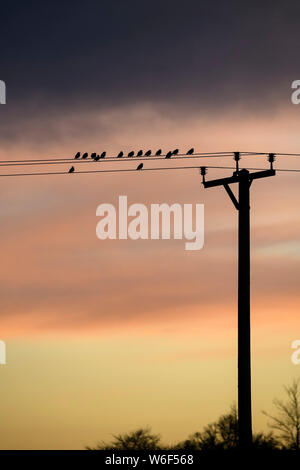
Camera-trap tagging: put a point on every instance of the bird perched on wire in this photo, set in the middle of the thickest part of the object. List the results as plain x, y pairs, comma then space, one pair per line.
85, 155
120, 154
130, 154
77, 155
190, 152
103, 154
140, 153
169, 154
158, 152
71, 170
93, 155
175, 152
148, 153
140, 166
97, 158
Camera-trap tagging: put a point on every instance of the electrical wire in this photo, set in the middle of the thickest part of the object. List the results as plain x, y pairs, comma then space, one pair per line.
139, 171
111, 160
125, 157
196, 155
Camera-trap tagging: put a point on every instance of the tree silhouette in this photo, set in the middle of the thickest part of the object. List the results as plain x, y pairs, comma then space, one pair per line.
227, 427
141, 439
223, 435
287, 423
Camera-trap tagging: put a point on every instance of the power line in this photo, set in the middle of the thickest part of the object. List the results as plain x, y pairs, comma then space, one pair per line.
136, 158
126, 158
60, 161
127, 170
107, 160
295, 170
230, 153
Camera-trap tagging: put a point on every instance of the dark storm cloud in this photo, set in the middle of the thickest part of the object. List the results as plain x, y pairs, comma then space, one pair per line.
115, 52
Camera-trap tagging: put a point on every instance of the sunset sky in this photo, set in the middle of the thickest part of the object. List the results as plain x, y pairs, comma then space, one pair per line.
106, 336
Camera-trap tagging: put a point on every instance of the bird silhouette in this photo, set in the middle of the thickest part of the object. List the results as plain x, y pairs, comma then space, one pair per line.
71, 170
77, 155
120, 154
158, 152
97, 158
140, 153
131, 154
140, 166
85, 155
93, 155
103, 154
169, 155
190, 152
148, 153
175, 152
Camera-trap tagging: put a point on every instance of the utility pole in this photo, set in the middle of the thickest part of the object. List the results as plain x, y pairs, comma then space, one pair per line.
244, 179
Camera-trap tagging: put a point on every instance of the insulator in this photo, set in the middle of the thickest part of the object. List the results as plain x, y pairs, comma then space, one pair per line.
237, 158
271, 157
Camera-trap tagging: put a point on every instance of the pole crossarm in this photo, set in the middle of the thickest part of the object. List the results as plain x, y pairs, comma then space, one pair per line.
221, 181
236, 177
261, 174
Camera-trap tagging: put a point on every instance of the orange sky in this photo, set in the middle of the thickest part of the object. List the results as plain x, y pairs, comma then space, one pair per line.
104, 336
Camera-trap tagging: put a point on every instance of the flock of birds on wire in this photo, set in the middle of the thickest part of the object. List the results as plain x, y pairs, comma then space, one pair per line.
95, 157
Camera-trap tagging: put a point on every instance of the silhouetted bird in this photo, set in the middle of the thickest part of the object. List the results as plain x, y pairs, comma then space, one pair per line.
131, 154
175, 152
140, 153
93, 155
148, 153
103, 154
71, 170
158, 152
97, 158
190, 152
120, 154
85, 155
77, 155
169, 155
140, 166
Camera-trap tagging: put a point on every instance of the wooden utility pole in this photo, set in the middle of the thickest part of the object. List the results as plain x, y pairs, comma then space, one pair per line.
244, 179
